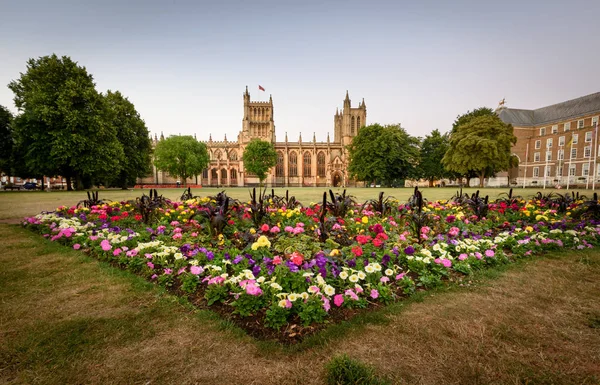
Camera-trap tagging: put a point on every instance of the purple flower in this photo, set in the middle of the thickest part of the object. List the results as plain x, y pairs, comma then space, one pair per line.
237, 259
409, 250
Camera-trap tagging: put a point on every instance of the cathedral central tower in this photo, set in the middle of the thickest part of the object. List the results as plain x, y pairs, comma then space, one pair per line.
258, 120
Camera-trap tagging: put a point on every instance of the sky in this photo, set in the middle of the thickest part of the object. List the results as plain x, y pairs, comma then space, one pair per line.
185, 64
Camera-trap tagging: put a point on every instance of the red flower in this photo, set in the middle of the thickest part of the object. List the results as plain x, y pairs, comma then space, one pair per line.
231, 222
124, 214
102, 216
363, 239
382, 236
357, 250
377, 242
297, 258
138, 217
115, 218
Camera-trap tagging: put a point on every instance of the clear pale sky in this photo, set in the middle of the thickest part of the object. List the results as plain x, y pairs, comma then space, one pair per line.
185, 64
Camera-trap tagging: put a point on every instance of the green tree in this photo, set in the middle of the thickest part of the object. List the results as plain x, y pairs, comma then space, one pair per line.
385, 154
6, 143
433, 149
133, 135
259, 157
181, 156
481, 144
60, 107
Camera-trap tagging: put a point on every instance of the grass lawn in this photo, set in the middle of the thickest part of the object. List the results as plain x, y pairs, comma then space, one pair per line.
66, 318
19, 204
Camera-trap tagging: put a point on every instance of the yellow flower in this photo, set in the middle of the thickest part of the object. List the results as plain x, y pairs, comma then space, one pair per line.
365, 219
252, 231
262, 241
529, 229
334, 253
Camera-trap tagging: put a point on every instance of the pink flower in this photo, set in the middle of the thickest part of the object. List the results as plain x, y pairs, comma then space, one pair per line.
168, 271
489, 253
384, 279
277, 260
289, 229
336, 227
196, 270
194, 234
275, 230
153, 276
264, 228
326, 304
299, 224
117, 251
105, 244
297, 258
148, 255
181, 271
462, 257
453, 232
288, 304
374, 293
132, 253
447, 263
400, 276
351, 294
77, 246
438, 261
478, 255
174, 223
298, 230
150, 265
177, 236
338, 300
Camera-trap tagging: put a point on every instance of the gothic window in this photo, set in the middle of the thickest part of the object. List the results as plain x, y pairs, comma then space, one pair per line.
213, 174
233, 155
223, 175
218, 155
357, 124
279, 167
293, 164
233, 174
352, 126
205, 173
321, 164
306, 164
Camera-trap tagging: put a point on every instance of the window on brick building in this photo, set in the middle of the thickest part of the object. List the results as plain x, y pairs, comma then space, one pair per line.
588, 136
536, 157
293, 164
536, 172
585, 169
542, 131
575, 138
321, 164
555, 129
580, 123
548, 155
561, 154
307, 164
538, 144
549, 142
567, 126
279, 168
573, 153
561, 141
587, 151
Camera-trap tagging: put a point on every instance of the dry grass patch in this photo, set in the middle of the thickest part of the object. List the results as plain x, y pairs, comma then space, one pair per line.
65, 318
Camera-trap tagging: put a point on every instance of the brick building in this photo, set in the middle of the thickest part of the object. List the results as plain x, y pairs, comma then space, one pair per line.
557, 144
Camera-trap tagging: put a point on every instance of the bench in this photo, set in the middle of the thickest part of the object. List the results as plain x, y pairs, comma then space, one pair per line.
11, 188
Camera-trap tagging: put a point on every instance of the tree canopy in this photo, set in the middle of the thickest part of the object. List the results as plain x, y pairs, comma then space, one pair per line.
181, 156
385, 154
133, 135
481, 144
433, 149
6, 143
62, 129
259, 157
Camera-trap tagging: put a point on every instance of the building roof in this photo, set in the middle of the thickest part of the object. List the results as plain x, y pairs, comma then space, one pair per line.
552, 114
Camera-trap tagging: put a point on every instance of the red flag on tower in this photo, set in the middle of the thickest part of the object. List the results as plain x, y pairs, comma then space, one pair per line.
260, 87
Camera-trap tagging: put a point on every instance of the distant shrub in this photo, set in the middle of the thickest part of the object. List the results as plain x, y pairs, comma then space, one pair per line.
342, 370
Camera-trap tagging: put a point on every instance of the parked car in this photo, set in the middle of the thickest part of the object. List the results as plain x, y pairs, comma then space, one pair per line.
30, 186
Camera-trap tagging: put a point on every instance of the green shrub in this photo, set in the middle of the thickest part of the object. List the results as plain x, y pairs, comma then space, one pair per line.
342, 370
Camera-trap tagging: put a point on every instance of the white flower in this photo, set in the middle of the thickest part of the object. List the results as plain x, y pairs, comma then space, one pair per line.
389, 272
276, 286
369, 269
343, 275
282, 303
353, 278
361, 275
329, 290
260, 279
304, 295
292, 297
377, 266
178, 256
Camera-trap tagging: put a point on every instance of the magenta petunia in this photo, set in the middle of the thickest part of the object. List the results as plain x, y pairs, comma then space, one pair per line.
338, 300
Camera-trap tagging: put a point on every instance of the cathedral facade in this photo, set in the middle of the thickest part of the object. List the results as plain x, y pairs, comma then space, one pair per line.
299, 163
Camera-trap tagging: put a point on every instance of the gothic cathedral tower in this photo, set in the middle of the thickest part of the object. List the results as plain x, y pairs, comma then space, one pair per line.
347, 123
258, 120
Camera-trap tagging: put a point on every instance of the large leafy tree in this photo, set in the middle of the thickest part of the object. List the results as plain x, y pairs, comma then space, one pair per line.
433, 149
481, 144
259, 157
133, 136
385, 154
181, 156
6, 143
62, 128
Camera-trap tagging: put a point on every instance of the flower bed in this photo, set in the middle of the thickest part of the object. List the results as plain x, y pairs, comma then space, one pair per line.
282, 271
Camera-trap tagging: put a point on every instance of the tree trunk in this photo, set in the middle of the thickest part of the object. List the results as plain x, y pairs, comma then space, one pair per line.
481, 178
68, 179
468, 181
430, 182
43, 185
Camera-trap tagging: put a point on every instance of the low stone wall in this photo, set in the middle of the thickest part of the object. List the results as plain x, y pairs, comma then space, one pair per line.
173, 185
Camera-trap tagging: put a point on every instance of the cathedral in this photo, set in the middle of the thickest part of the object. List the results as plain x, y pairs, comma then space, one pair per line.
299, 163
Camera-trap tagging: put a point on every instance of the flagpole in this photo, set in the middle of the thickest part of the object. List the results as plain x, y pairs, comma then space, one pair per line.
595, 155
546, 167
526, 156
570, 160
587, 183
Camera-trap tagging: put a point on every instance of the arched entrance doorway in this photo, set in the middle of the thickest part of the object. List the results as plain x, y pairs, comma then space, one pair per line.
337, 179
